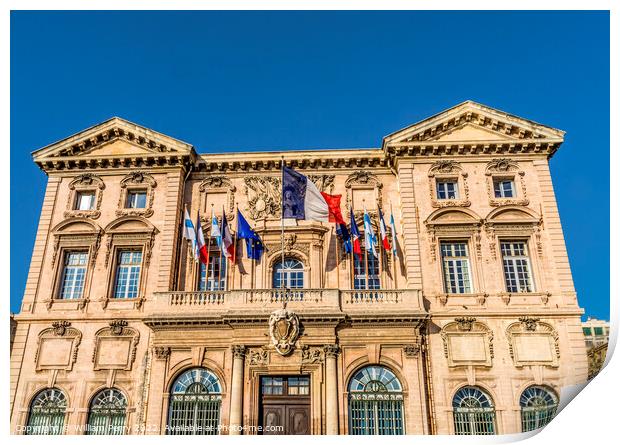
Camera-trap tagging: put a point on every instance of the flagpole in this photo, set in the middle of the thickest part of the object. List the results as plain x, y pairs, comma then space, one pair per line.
394, 246
282, 227
381, 249
337, 262
208, 251
234, 258
365, 247
352, 259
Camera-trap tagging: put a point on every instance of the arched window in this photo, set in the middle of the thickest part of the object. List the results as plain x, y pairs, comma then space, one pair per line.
474, 412
292, 273
47, 412
538, 406
375, 402
195, 399
107, 414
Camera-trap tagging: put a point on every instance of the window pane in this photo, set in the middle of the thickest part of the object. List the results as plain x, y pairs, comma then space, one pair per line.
503, 188
447, 189
136, 199
587, 331
598, 331
456, 271
516, 265
216, 277
85, 200
292, 273
73, 275
128, 273
360, 267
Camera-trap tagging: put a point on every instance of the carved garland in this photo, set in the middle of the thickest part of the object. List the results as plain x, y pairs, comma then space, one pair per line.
218, 184
505, 168
138, 179
446, 169
85, 182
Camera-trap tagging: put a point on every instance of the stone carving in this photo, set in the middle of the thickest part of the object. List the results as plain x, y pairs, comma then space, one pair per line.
214, 183
325, 183
259, 357
238, 351
115, 346
331, 350
364, 180
310, 355
289, 241
506, 168
263, 195
57, 347
116, 327
283, 330
411, 351
85, 182
533, 342
467, 342
162, 352
447, 169
138, 179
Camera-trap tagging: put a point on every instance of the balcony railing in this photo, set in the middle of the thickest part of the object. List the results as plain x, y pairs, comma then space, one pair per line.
350, 300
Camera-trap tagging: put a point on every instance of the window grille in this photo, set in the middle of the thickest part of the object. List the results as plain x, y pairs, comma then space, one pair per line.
107, 414
538, 407
47, 413
375, 402
447, 189
128, 274
73, 275
474, 412
293, 274
217, 273
195, 400
516, 266
455, 262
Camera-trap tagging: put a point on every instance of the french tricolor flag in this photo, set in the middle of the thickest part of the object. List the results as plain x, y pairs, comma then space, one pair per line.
383, 230
355, 237
301, 199
201, 246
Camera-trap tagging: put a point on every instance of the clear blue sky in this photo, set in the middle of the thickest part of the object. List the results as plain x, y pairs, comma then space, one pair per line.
279, 80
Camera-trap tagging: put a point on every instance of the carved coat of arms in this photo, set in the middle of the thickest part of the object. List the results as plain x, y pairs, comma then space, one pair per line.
283, 330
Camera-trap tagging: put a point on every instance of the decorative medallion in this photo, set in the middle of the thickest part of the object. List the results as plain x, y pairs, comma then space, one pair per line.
283, 330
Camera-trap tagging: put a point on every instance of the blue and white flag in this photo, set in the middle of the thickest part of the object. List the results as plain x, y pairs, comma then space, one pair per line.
302, 199
370, 239
393, 226
215, 230
189, 233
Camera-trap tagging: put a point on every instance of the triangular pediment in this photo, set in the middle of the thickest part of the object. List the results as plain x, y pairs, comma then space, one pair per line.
113, 138
471, 122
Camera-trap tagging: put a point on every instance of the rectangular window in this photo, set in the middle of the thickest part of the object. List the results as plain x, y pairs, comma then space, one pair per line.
73, 275
128, 274
587, 332
504, 188
516, 266
85, 200
217, 273
598, 331
455, 262
298, 386
368, 263
136, 199
447, 189
273, 385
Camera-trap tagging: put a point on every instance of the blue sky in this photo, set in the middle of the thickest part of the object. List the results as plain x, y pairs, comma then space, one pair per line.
229, 81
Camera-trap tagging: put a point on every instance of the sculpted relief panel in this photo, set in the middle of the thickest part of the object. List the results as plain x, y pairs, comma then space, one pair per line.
58, 347
467, 343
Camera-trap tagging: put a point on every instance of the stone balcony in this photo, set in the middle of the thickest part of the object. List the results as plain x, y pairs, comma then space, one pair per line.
247, 304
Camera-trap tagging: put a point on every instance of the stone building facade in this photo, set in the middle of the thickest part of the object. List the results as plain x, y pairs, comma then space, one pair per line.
473, 327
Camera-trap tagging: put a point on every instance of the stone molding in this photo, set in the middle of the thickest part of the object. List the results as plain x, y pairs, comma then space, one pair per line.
117, 331
85, 182
530, 329
506, 168
448, 169
59, 330
467, 331
137, 180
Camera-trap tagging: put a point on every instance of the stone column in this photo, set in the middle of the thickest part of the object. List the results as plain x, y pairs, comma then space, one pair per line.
236, 390
331, 389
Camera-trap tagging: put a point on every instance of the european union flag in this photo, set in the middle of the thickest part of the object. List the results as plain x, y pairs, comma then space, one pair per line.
253, 244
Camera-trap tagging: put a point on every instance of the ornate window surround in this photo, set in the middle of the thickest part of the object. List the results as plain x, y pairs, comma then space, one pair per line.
118, 330
530, 326
66, 240
467, 327
363, 180
505, 168
137, 180
128, 232
218, 184
447, 169
82, 183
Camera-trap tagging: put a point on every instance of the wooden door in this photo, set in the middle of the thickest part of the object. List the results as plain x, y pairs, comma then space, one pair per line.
285, 405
